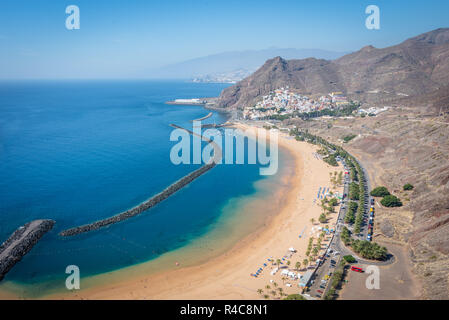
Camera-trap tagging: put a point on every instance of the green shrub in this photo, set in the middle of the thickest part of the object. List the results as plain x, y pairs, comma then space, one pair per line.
391, 201
295, 297
380, 192
408, 186
349, 138
369, 250
354, 191
331, 160
349, 259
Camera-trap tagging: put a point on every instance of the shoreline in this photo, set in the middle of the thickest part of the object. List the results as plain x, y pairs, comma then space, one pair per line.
227, 276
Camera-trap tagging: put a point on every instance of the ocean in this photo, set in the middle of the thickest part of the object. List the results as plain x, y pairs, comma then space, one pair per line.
80, 151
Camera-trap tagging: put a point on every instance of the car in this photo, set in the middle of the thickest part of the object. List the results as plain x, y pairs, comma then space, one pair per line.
357, 269
333, 262
320, 291
323, 286
318, 295
368, 237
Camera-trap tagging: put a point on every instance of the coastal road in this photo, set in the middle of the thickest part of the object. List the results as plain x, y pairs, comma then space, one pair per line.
330, 259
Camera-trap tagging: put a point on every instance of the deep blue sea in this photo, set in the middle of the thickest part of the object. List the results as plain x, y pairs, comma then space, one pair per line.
79, 151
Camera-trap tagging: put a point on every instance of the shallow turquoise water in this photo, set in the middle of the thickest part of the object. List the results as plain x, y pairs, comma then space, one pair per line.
79, 151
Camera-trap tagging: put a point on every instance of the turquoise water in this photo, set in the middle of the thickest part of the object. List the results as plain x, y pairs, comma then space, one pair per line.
79, 151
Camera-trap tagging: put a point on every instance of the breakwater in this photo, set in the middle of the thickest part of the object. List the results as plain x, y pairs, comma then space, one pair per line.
21, 242
203, 118
167, 192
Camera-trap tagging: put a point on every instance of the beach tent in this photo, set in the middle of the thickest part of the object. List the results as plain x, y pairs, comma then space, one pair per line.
292, 249
284, 272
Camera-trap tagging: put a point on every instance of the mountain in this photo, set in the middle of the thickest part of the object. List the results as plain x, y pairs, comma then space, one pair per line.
229, 62
417, 66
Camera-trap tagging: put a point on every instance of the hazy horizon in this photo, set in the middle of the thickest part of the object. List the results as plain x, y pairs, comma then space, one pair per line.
128, 40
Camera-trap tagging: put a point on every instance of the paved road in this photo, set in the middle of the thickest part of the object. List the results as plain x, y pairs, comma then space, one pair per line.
326, 266
337, 246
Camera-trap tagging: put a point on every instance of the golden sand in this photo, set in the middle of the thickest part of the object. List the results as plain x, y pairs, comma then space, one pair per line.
228, 275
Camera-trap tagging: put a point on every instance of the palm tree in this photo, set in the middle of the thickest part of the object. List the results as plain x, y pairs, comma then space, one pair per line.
298, 265
280, 291
266, 296
278, 261
275, 284
259, 291
288, 262
267, 287
312, 221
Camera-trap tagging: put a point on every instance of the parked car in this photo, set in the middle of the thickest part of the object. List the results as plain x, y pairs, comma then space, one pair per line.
356, 269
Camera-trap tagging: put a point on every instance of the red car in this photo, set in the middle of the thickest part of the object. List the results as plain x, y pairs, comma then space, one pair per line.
319, 291
357, 269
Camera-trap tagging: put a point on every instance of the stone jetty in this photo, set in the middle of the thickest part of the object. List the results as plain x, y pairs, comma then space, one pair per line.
203, 118
153, 200
21, 242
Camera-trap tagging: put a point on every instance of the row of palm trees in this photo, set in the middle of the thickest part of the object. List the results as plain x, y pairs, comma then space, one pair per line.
275, 292
336, 179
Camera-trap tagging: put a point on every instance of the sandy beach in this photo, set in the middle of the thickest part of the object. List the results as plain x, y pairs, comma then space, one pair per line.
228, 275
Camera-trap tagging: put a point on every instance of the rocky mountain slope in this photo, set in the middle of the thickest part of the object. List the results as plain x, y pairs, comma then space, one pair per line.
407, 144
417, 66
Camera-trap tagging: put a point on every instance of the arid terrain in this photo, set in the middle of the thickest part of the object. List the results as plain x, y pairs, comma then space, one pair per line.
409, 143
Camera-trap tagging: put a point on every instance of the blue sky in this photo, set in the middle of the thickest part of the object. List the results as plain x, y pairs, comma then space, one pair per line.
123, 39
